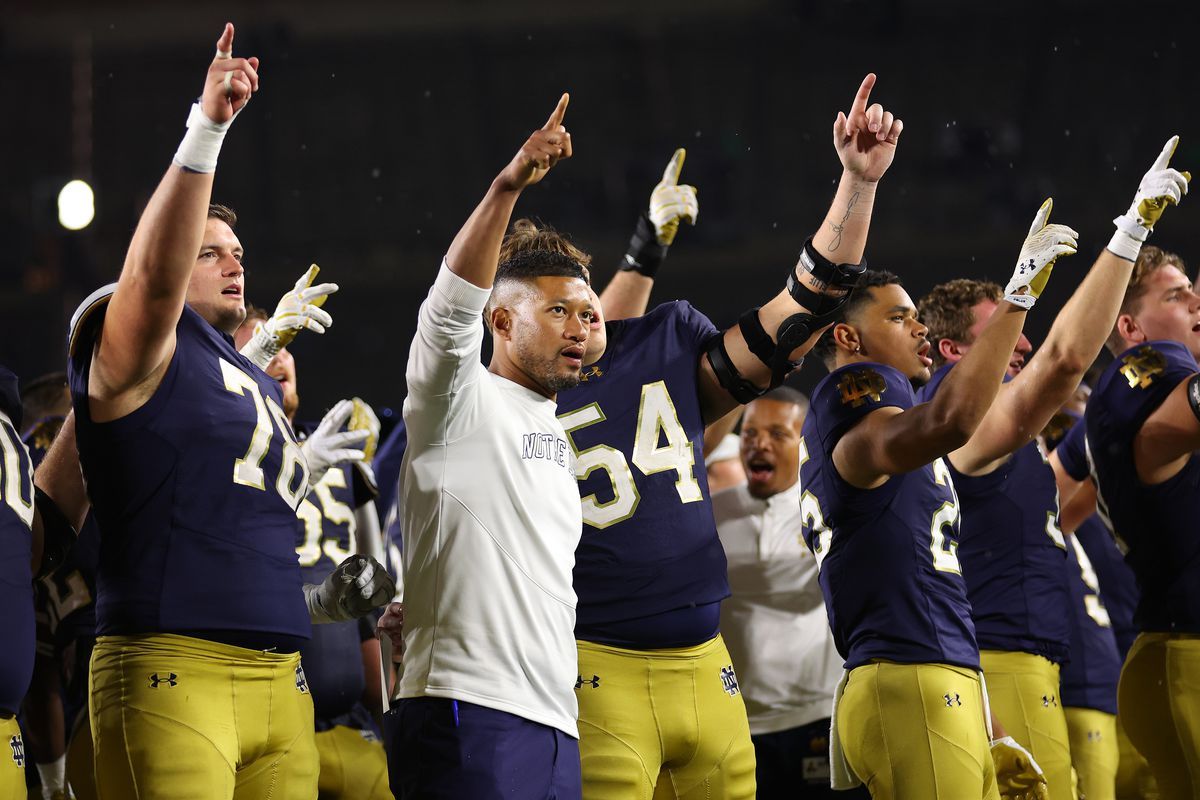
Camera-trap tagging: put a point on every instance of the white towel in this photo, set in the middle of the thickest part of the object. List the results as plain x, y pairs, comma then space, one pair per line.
840, 774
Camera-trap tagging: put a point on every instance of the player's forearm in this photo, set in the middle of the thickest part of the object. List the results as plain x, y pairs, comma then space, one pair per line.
842, 237
474, 254
626, 295
968, 391
60, 476
1083, 325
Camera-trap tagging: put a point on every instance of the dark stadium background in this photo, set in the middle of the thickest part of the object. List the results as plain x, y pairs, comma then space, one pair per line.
379, 125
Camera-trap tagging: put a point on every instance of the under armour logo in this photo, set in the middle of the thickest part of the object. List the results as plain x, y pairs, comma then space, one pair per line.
594, 682
18, 750
301, 681
170, 679
952, 699
729, 681
1049, 700
591, 372
1094, 736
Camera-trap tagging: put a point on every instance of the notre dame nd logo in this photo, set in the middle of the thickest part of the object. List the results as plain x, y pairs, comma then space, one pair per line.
729, 681
1140, 368
858, 385
18, 750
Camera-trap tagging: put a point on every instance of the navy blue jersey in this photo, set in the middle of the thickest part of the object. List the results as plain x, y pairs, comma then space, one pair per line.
1089, 679
1014, 558
195, 495
650, 570
387, 466
1156, 523
1118, 586
16, 551
332, 658
888, 559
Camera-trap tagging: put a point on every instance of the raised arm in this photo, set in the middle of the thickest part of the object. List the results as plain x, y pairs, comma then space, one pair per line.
475, 252
1027, 403
890, 441
865, 140
628, 293
138, 335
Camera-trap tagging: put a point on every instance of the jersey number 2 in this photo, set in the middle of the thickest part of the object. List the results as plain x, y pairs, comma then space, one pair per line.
656, 420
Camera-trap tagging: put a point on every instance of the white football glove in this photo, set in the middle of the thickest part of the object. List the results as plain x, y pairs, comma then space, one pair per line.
329, 444
357, 585
297, 310
1042, 246
1160, 187
1018, 776
670, 202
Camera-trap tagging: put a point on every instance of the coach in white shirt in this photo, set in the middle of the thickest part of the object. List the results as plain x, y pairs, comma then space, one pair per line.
775, 623
491, 515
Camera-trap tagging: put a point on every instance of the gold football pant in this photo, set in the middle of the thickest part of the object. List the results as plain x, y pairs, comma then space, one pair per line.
1023, 690
917, 732
178, 718
662, 724
81, 758
1159, 704
12, 760
353, 765
1094, 751
1135, 781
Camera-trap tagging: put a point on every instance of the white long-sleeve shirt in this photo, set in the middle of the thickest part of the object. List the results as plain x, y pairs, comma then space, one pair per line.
491, 519
775, 624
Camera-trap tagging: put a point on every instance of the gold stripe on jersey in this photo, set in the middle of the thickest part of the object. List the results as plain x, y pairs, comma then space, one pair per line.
672, 718
1024, 693
917, 730
178, 718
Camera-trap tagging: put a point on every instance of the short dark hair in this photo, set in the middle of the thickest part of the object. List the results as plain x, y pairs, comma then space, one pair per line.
860, 295
947, 311
525, 236
223, 213
45, 396
786, 394
533, 264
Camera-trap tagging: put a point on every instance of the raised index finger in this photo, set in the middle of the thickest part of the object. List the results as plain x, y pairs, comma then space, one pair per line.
864, 94
560, 111
307, 278
225, 43
1164, 157
674, 167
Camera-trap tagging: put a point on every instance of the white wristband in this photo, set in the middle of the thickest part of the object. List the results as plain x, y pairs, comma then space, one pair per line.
202, 143
1127, 239
262, 347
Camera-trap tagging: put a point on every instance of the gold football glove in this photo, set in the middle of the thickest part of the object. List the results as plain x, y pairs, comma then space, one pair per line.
1044, 244
1018, 776
670, 203
1160, 187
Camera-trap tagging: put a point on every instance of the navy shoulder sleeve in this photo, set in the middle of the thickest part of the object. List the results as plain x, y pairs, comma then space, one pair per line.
848, 394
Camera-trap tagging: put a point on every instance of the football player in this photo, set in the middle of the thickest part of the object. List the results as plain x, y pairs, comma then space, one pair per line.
1089, 676
881, 516
659, 701
195, 475
341, 658
1143, 428
1012, 551
774, 620
490, 514
1118, 586
37, 530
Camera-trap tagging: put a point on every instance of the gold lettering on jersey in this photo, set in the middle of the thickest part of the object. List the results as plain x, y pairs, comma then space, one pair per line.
590, 372
859, 385
1140, 368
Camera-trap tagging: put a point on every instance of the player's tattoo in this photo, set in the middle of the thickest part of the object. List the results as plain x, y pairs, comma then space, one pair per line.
840, 226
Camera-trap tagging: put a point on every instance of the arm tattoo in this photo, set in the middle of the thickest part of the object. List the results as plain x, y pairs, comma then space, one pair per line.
840, 226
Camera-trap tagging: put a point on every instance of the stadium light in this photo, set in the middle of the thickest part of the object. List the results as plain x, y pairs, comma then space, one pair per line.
76, 205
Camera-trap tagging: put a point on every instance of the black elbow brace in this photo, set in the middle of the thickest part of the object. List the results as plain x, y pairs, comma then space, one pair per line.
58, 535
823, 309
